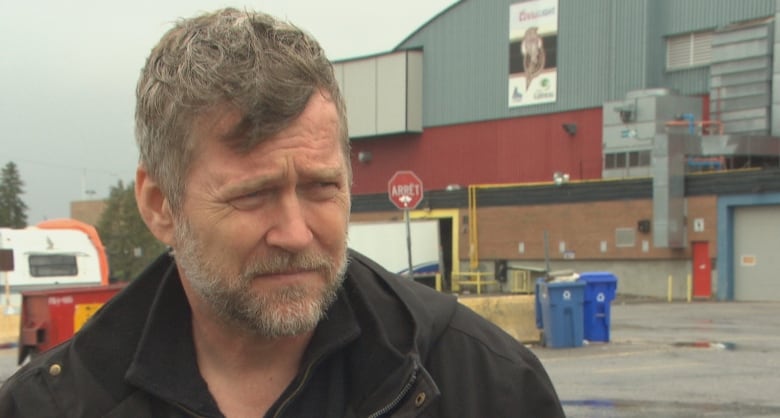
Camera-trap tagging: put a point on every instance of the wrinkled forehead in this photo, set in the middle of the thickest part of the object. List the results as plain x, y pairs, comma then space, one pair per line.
243, 129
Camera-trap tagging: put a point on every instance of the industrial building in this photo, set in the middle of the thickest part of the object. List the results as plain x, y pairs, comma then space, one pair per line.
639, 137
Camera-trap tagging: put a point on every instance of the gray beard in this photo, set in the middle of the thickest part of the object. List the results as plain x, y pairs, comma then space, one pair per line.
288, 311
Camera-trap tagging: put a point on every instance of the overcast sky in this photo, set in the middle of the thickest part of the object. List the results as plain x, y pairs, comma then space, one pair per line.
68, 71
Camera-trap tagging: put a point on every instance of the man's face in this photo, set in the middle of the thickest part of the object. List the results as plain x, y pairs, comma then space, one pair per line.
261, 237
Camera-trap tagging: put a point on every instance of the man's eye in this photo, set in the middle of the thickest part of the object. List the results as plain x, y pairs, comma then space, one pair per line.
322, 190
248, 201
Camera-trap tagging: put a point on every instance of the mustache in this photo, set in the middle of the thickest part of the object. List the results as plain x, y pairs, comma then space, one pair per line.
285, 262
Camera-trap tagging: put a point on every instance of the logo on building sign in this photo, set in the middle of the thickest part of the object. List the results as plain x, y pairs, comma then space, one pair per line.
405, 189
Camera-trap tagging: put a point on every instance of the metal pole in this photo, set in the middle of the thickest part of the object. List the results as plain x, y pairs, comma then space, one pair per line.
408, 240
546, 253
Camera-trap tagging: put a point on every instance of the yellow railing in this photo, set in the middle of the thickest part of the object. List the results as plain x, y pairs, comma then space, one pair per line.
476, 278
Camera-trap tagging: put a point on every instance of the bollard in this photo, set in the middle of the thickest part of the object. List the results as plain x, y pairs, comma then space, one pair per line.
669, 289
690, 288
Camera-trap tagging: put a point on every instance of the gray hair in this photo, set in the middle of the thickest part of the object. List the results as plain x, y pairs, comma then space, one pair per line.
266, 68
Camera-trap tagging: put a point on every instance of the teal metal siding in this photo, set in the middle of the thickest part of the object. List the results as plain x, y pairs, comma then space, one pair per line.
689, 81
606, 48
629, 30
682, 16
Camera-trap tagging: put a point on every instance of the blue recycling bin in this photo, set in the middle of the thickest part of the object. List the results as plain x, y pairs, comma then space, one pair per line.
600, 287
561, 304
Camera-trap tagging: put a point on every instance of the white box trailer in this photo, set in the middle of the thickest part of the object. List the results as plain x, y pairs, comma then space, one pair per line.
37, 258
385, 243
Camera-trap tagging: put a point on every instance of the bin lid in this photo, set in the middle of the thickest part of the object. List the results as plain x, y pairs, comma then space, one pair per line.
571, 284
598, 277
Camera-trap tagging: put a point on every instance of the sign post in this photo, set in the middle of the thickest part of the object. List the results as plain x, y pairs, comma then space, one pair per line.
405, 190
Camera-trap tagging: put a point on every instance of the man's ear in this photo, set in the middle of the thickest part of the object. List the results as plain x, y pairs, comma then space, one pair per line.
153, 206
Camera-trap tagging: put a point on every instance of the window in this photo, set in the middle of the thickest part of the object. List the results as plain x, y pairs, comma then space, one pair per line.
620, 160
633, 159
639, 158
689, 50
609, 161
627, 159
615, 160
50, 265
624, 237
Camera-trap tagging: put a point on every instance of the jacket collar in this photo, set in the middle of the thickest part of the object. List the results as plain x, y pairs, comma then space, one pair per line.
387, 339
165, 362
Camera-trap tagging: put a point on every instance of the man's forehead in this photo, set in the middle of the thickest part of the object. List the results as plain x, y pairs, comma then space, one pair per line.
220, 121
241, 131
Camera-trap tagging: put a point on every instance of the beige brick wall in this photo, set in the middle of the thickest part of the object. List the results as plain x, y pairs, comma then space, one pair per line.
87, 211
581, 227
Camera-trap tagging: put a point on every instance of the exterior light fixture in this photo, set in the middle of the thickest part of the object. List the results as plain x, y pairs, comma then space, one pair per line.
560, 178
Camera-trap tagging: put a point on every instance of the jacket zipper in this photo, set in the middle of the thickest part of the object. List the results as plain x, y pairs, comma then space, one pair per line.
394, 403
187, 411
281, 407
286, 402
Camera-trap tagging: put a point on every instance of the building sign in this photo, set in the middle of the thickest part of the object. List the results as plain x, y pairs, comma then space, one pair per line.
533, 45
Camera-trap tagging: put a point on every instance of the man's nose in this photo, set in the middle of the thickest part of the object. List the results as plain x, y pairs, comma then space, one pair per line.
290, 229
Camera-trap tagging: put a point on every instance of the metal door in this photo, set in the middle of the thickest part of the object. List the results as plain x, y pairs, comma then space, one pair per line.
702, 270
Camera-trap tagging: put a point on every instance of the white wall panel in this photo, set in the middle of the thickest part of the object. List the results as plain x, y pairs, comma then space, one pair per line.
360, 96
757, 253
391, 93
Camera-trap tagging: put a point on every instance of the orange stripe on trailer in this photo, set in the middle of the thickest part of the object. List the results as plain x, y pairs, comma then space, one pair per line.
67, 223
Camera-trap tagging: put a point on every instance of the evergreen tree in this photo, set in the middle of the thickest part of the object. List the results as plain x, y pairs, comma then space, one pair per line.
13, 210
129, 244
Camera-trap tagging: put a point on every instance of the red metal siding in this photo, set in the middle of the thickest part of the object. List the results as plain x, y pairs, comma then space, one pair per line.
518, 150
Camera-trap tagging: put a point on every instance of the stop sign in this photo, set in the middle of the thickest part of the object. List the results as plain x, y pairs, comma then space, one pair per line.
405, 189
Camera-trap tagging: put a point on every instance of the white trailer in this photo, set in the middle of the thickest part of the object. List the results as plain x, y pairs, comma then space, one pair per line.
36, 258
385, 243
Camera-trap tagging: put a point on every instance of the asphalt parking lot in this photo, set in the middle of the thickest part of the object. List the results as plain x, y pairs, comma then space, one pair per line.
699, 359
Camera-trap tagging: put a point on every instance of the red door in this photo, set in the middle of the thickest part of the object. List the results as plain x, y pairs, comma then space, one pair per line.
702, 270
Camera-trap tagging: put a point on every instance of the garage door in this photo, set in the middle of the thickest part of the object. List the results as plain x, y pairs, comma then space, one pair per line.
757, 253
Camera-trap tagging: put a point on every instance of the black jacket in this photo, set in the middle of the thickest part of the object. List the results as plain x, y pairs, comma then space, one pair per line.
389, 347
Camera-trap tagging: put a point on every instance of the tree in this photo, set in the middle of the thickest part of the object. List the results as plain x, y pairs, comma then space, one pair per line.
13, 210
130, 246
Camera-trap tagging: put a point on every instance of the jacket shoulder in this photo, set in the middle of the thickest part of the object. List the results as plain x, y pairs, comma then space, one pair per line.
475, 353
479, 369
53, 384
428, 310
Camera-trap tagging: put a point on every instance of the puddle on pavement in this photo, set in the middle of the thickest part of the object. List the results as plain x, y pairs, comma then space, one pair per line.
717, 345
667, 408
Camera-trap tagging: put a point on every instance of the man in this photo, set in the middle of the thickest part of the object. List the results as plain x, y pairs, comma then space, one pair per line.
260, 310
